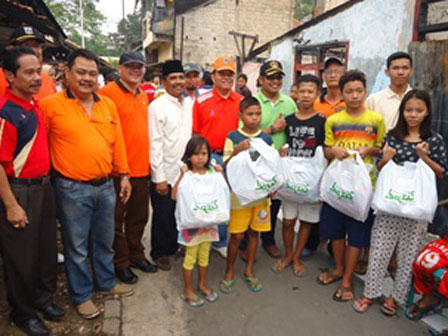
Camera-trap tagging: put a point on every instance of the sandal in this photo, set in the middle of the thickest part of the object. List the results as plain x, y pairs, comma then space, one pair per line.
389, 309
415, 313
279, 266
211, 296
254, 284
193, 301
227, 287
330, 276
299, 271
362, 304
361, 267
342, 290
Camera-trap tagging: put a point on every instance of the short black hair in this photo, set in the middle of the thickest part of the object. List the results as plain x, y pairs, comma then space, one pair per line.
207, 78
11, 56
82, 53
398, 55
147, 77
400, 131
352, 76
243, 76
248, 102
308, 78
193, 146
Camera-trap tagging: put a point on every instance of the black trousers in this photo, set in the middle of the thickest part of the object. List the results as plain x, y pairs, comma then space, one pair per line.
163, 229
30, 254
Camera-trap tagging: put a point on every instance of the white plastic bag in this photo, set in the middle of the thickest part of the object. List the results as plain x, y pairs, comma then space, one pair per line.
346, 186
302, 177
202, 201
254, 174
407, 190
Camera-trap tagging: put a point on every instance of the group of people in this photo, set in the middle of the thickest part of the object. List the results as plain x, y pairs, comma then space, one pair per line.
95, 158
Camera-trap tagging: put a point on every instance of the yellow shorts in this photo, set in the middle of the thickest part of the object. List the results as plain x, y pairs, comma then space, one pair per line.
258, 218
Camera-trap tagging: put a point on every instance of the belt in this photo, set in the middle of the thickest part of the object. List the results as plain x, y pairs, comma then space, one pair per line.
96, 182
217, 152
29, 181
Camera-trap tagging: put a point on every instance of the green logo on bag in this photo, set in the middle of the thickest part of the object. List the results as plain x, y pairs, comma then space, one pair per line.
342, 194
206, 208
400, 197
267, 185
298, 188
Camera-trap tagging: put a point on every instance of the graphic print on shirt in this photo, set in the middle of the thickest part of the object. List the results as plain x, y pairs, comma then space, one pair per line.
304, 136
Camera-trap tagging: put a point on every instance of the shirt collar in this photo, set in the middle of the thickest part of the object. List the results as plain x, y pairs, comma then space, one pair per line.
124, 88
219, 97
247, 134
26, 104
264, 99
70, 95
392, 94
173, 99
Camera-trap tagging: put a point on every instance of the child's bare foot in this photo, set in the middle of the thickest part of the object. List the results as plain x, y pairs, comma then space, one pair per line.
207, 293
280, 265
189, 292
299, 269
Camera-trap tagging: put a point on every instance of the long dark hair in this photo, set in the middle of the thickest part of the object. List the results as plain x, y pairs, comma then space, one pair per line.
193, 146
400, 131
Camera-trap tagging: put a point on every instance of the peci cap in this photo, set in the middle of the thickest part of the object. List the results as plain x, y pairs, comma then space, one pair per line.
224, 63
271, 68
132, 57
23, 33
171, 66
190, 67
332, 60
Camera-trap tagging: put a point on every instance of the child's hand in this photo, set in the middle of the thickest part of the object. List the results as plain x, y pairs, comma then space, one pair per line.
283, 151
242, 146
422, 149
183, 169
339, 153
273, 194
218, 168
388, 152
363, 151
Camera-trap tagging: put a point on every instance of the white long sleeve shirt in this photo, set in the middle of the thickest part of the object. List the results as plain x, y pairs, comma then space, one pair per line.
170, 128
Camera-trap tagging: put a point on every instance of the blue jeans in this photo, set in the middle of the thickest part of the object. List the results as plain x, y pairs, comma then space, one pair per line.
87, 219
222, 229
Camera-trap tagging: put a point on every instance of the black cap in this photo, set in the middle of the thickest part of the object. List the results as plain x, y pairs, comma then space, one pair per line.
171, 66
23, 33
271, 68
332, 60
132, 57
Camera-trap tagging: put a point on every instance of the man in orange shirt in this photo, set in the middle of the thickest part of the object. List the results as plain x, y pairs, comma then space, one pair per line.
86, 147
131, 218
26, 36
331, 101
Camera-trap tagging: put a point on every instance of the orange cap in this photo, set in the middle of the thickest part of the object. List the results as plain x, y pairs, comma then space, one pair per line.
224, 63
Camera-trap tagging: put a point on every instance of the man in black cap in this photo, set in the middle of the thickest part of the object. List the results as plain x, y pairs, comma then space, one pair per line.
27, 36
131, 218
170, 128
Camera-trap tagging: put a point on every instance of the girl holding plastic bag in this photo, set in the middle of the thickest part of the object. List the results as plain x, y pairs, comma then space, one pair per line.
197, 240
410, 141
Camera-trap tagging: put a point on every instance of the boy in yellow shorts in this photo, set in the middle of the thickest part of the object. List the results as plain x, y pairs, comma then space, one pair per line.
251, 218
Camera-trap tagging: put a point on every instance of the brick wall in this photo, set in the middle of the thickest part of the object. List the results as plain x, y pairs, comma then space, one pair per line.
206, 28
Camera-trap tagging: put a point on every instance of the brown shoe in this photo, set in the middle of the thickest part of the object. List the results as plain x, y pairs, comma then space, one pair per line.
120, 290
88, 310
273, 251
163, 263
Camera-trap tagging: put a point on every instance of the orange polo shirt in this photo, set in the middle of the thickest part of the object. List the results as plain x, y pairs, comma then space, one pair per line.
215, 116
327, 109
84, 147
47, 89
133, 111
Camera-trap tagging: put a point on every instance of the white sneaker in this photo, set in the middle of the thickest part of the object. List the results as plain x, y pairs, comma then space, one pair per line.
221, 250
61, 258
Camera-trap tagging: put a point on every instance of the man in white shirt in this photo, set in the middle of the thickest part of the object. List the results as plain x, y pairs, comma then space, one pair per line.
387, 101
170, 128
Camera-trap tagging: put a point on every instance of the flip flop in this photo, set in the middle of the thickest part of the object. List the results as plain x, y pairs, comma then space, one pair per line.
227, 287
299, 274
211, 296
278, 266
193, 301
362, 304
342, 290
254, 284
421, 312
389, 309
331, 276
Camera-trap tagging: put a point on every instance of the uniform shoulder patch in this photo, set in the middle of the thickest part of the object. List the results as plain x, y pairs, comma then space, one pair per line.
205, 96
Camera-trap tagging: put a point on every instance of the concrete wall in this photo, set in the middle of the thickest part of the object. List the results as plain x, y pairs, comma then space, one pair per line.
374, 28
206, 28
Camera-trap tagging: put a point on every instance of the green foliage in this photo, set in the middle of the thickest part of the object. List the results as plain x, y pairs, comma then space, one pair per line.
303, 8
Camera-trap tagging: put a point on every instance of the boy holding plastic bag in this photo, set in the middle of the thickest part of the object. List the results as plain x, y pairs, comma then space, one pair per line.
251, 215
203, 201
410, 145
360, 130
305, 132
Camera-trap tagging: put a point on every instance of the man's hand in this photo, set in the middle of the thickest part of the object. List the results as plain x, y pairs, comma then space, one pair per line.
125, 189
339, 153
162, 188
388, 153
16, 216
422, 149
279, 124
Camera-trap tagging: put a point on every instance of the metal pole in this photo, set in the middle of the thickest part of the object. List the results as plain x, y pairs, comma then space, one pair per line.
81, 14
182, 27
125, 27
